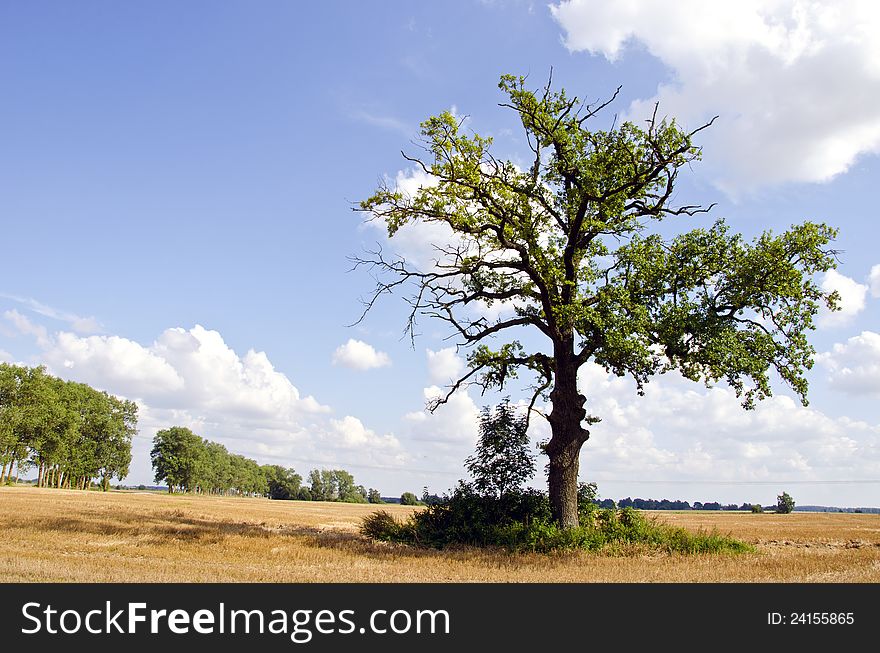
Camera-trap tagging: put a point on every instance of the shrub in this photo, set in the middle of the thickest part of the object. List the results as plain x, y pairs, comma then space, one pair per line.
521, 521
382, 525
757, 507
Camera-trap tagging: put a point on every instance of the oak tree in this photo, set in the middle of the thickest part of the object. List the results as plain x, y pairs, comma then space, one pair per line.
566, 242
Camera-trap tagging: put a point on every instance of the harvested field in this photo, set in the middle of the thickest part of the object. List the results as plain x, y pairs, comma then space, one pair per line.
73, 536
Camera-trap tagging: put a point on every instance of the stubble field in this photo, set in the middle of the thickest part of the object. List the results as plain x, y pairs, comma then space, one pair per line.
72, 536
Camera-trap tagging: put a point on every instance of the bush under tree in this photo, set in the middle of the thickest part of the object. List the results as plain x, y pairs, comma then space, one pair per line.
518, 519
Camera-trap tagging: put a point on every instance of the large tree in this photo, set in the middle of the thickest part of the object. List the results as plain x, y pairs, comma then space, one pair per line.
565, 243
177, 456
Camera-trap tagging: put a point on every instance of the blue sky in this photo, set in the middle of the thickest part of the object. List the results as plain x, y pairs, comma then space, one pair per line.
176, 184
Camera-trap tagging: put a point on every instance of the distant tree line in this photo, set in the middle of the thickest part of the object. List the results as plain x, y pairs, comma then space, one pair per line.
186, 462
666, 504
69, 432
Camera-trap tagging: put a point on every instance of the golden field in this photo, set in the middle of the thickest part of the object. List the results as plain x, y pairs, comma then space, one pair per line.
74, 536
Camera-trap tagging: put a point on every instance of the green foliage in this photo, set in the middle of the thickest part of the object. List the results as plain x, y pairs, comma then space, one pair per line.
185, 461
189, 463
409, 499
502, 461
284, 483
373, 496
571, 239
70, 432
521, 521
335, 485
757, 508
784, 503
587, 498
176, 455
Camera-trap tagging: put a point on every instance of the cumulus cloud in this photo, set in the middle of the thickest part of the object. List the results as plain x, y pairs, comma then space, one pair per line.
453, 422
874, 281
444, 366
796, 84
113, 362
440, 441
192, 378
681, 433
192, 369
854, 366
358, 355
852, 299
351, 433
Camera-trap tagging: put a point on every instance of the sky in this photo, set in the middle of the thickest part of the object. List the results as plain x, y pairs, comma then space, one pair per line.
176, 191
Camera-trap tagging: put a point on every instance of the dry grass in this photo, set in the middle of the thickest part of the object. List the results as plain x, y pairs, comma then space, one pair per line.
70, 536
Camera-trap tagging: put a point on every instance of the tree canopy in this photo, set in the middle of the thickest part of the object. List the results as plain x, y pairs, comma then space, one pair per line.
187, 462
568, 243
784, 503
69, 431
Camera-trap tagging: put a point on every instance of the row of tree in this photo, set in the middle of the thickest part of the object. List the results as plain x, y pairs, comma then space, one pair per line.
666, 504
71, 433
186, 462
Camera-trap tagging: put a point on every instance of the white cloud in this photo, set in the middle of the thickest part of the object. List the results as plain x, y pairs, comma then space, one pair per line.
349, 432
852, 299
24, 326
81, 325
114, 363
444, 366
358, 355
453, 422
192, 378
686, 434
384, 122
874, 280
5, 356
796, 84
854, 366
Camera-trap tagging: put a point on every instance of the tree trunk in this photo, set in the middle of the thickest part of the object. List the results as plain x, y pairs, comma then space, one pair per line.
568, 436
3, 474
